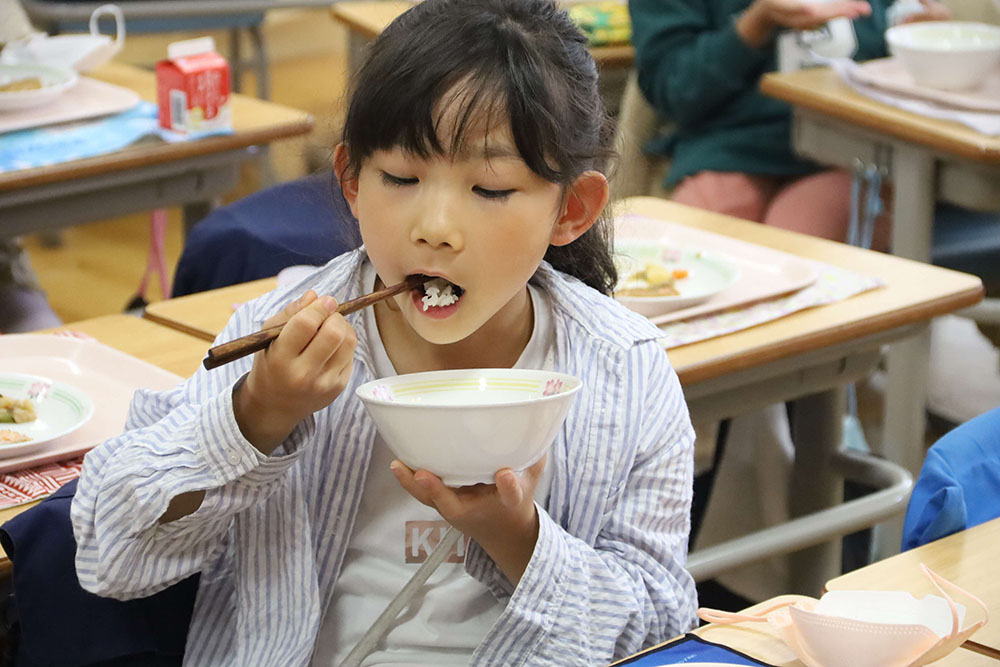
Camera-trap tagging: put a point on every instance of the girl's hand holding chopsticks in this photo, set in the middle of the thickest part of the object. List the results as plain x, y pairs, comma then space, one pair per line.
306, 367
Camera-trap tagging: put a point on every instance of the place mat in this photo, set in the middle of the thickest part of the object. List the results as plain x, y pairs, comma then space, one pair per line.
833, 284
764, 273
891, 75
25, 486
55, 144
980, 121
89, 98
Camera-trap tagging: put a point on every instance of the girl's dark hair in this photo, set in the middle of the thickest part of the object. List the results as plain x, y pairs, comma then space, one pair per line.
524, 59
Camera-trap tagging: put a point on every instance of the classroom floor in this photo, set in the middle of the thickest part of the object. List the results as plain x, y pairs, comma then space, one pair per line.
106, 258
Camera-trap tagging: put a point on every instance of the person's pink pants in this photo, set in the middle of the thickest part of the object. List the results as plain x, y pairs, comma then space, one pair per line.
818, 204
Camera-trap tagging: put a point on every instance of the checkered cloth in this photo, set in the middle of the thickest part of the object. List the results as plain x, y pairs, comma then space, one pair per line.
23, 486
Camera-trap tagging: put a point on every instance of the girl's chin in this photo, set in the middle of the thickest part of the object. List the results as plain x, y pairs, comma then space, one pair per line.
438, 331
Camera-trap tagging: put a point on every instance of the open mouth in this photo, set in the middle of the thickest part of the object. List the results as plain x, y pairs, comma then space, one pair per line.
438, 292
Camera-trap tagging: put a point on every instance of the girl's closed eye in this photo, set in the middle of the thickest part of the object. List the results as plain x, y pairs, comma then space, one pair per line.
391, 179
486, 193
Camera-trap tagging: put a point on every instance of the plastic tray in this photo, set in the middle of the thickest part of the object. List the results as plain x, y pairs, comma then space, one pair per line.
764, 273
108, 376
89, 98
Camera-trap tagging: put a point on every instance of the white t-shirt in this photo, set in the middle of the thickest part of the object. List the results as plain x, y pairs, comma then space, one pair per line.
394, 533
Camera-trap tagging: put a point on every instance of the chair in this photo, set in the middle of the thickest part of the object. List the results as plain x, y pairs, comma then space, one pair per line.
53, 621
959, 483
305, 221
638, 172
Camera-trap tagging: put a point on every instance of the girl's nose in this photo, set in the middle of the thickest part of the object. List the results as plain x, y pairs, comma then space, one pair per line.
437, 226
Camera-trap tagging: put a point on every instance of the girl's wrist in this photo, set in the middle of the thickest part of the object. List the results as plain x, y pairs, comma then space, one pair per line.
261, 427
512, 550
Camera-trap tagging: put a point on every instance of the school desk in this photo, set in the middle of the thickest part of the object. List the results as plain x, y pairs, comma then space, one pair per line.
926, 160
761, 641
968, 559
146, 176
204, 314
367, 19
162, 346
808, 357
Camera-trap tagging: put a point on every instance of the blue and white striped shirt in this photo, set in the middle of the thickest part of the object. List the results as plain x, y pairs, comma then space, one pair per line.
607, 575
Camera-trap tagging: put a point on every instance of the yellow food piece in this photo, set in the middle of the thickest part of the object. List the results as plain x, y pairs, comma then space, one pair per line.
16, 411
657, 275
653, 275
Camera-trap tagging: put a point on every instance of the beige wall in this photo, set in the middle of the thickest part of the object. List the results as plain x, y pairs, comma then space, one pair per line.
975, 10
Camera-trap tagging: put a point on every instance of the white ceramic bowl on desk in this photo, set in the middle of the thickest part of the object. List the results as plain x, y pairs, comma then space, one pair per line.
947, 55
464, 425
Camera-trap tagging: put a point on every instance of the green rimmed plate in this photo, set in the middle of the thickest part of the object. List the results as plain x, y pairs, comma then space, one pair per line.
60, 409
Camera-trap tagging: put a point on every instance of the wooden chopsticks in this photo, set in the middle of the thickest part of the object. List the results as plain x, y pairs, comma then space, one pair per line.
241, 347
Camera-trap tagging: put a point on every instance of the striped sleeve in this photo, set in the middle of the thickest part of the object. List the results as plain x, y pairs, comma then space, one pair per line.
581, 603
176, 441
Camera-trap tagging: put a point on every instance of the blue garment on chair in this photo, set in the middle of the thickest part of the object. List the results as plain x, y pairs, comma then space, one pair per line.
63, 625
305, 221
959, 483
969, 241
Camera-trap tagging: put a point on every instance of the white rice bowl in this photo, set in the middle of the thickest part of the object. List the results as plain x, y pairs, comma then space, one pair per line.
464, 425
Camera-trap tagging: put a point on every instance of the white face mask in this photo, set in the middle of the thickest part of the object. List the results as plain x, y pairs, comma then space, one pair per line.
867, 628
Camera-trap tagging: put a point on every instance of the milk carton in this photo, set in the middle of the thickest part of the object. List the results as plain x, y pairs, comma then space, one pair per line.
193, 88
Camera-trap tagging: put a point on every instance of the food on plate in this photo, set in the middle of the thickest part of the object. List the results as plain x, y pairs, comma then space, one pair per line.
9, 437
16, 411
652, 280
29, 83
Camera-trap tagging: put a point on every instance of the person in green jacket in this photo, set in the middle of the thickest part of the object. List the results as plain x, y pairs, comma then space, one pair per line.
699, 63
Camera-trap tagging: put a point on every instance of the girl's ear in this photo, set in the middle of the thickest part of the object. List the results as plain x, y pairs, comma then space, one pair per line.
585, 200
348, 182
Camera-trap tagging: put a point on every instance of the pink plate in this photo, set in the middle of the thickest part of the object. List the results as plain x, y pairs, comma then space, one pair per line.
107, 376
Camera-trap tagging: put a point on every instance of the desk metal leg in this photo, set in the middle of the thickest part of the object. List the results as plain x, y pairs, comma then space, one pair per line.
904, 423
817, 432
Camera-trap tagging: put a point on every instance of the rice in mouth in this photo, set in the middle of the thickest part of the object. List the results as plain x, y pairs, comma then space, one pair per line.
440, 292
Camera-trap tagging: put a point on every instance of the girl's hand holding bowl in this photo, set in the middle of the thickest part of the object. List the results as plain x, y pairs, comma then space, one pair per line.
304, 370
463, 435
501, 517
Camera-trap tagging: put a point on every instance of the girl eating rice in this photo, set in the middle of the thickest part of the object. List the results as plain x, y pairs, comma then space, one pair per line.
473, 157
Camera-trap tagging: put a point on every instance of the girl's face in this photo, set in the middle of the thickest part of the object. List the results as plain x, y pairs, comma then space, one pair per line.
482, 221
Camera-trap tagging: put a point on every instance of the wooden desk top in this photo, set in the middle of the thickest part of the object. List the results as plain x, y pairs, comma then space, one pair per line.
967, 559
167, 348
914, 293
162, 346
254, 122
761, 641
369, 18
822, 90
205, 314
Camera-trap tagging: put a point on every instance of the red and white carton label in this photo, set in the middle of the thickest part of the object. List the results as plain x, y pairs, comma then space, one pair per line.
193, 88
